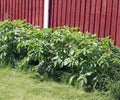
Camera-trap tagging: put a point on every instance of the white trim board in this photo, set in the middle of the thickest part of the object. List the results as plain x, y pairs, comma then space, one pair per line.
46, 13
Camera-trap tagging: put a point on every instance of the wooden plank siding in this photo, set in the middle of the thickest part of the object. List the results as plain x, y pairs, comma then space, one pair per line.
101, 17
30, 10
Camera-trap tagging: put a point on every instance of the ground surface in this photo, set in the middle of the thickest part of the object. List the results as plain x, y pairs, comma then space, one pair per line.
16, 85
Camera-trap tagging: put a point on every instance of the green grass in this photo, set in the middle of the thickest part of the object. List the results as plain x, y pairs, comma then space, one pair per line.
15, 85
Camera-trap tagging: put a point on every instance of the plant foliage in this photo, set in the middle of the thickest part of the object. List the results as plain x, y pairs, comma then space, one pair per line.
82, 59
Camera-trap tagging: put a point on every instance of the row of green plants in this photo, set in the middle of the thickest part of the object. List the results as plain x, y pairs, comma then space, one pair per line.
64, 54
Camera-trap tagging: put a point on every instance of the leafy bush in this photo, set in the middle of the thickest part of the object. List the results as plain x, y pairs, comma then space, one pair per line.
12, 33
65, 54
86, 60
115, 89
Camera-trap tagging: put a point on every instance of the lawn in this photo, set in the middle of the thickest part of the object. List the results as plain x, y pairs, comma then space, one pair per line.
16, 85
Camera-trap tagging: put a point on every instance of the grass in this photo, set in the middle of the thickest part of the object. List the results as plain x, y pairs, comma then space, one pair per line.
15, 85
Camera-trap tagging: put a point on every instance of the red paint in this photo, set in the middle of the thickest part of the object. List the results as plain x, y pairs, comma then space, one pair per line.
97, 19
96, 16
59, 14
68, 10
41, 13
51, 12
102, 21
0, 10
37, 13
92, 16
82, 15
5, 13
113, 20
31, 12
23, 9
14, 10
63, 19
11, 10
72, 13
19, 9
87, 16
77, 12
118, 28
108, 19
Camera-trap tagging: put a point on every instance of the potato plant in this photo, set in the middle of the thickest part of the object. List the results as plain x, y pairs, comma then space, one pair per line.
64, 52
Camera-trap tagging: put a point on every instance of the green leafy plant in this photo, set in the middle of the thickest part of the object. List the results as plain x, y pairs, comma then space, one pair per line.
12, 33
115, 89
64, 54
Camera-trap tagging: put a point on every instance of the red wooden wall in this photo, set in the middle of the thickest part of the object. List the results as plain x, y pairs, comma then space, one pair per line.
101, 17
31, 10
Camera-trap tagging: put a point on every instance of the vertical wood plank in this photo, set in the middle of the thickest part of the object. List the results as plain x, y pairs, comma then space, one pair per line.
26, 10
117, 22
82, 15
72, 16
29, 11
37, 12
14, 9
102, 21
7, 9
68, 9
17, 9
20, 9
77, 13
5, 14
108, 18
114, 19
63, 12
11, 9
87, 15
97, 19
59, 14
92, 16
55, 13
51, 10
32, 12
23, 9
41, 12
118, 26
0, 10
